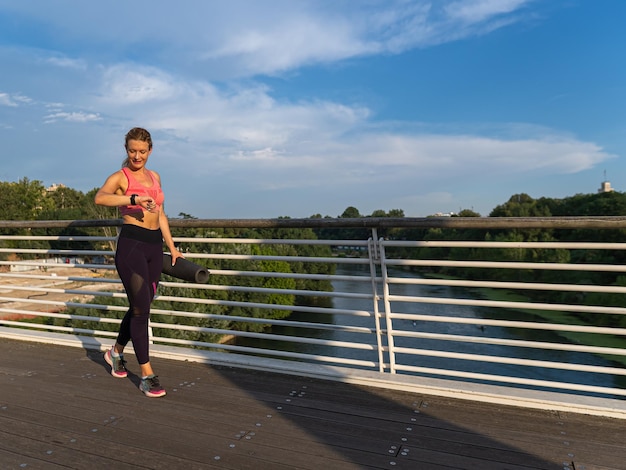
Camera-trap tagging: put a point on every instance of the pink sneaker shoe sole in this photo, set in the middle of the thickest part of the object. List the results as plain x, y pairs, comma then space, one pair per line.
109, 360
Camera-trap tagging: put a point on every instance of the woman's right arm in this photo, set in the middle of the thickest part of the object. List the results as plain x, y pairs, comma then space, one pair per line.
111, 193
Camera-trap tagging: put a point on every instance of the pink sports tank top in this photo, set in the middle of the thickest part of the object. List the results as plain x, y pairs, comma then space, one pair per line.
135, 187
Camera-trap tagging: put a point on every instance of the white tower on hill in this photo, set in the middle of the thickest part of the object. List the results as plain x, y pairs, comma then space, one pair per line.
605, 187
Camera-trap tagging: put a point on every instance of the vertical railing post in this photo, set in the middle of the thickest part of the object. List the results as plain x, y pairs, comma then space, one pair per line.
150, 333
387, 307
374, 257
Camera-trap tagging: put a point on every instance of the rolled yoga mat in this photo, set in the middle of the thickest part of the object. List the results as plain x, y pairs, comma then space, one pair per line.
185, 270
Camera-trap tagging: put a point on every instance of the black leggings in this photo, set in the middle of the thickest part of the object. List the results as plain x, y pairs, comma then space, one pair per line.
139, 261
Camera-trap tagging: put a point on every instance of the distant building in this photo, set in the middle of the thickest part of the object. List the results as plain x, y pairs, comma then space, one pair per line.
605, 187
54, 187
443, 214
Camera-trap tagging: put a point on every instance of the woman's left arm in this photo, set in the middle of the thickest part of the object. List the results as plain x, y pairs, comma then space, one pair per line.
164, 225
167, 236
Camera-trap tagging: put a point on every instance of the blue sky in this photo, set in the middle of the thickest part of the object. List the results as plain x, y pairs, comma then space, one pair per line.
268, 108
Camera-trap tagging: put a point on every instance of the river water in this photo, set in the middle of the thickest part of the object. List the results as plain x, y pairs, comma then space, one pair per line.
542, 373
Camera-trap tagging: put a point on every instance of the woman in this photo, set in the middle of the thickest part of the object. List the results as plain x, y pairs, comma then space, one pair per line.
139, 255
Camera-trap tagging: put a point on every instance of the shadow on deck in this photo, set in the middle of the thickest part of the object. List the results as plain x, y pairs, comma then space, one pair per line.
60, 408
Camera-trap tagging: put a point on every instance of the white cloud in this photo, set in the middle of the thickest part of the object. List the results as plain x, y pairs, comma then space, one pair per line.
71, 117
5, 100
13, 100
131, 84
477, 11
451, 153
241, 117
373, 159
66, 62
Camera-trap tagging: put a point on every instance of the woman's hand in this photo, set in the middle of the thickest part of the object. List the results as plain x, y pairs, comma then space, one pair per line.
175, 255
147, 203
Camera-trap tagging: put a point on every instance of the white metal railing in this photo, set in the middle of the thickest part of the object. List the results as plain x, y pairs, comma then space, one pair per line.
382, 319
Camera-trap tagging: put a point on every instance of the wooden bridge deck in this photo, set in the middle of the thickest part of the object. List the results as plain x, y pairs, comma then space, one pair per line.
60, 408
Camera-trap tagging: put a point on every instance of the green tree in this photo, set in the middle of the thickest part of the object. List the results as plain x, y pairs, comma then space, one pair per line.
23, 200
350, 213
467, 213
63, 203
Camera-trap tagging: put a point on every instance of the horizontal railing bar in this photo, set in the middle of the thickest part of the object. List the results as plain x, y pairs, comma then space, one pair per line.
508, 285
270, 352
264, 321
267, 290
271, 290
60, 303
512, 305
509, 265
513, 380
43, 277
272, 337
271, 241
42, 251
316, 277
299, 308
512, 342
66, 238
66, 329
511, 361
591, 222
63, 316
302, 259
52, 290
109, 308
43, 264
512, 324
509, 245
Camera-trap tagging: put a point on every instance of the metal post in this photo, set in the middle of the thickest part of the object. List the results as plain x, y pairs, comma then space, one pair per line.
387, 305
